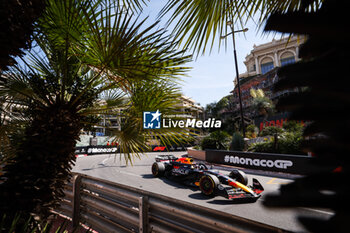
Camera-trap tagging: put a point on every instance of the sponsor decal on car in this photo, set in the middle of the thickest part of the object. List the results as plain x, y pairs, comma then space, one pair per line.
180, 171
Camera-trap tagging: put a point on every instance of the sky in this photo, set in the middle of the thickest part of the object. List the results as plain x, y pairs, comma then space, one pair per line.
212, 75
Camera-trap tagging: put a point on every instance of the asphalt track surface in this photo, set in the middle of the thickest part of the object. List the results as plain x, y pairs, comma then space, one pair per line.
114, 168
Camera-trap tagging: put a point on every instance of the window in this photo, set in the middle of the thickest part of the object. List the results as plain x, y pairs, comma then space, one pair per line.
266, 67
287, 60
252, 68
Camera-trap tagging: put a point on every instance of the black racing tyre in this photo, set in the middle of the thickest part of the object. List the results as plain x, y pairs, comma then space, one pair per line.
158, 169
208, 184
239, 175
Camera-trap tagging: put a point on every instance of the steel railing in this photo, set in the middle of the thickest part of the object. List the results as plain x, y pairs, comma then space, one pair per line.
110, 207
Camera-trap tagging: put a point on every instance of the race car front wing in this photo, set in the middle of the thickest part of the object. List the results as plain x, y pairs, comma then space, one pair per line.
239, 191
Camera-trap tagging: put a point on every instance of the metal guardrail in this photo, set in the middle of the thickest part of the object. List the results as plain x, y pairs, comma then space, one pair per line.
110, 207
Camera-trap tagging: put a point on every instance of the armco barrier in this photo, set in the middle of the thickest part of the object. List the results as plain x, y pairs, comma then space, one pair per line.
110, 207
294, 164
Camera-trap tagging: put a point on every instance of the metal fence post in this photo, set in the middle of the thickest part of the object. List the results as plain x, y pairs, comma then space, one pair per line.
76, 200
143, 214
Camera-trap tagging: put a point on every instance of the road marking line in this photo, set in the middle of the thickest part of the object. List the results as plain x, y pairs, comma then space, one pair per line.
315, 210
103, 162
271, 181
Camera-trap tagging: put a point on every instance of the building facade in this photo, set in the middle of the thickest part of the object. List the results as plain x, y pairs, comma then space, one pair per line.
262, 64
112, 122
276, 53
190, 108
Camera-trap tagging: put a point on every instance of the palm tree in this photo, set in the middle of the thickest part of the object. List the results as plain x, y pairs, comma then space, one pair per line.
17, 20
261, 103
198, 24
85, 50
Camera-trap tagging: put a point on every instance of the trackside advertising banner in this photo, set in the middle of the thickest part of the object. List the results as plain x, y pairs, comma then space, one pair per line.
295, 164
93, 150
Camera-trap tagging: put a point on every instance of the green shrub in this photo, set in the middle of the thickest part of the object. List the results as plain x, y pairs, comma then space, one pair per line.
263, 147
291, 144
218, 140
251, 128
271, 130
208, 143
251, 131
219, 136
237, 142
288, 143
293, 126
289, 139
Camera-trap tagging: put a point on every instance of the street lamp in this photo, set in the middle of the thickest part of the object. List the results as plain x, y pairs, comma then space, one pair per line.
230, 23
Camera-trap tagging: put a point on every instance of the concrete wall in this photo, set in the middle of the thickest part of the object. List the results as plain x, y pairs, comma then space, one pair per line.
196, 154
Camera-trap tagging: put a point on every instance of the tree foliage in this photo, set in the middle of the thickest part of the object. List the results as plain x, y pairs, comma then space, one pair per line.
198, 24
261, 104
90, 58
217, 140
271, 130
17, 20
237, 143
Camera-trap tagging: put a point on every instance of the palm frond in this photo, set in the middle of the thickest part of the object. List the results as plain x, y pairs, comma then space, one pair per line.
85, 49
126, 50
199, 23
148, 96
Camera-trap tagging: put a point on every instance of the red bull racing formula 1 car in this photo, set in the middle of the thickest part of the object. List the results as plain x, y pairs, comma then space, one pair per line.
233, 186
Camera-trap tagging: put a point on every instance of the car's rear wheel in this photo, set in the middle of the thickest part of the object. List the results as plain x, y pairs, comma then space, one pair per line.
158, 169
208, 184
239, 176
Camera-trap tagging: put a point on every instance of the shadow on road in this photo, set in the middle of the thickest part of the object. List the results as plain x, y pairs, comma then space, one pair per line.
199, 196
214, 200
148, 176
230, 202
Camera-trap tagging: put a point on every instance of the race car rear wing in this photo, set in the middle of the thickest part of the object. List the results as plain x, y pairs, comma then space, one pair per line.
162, 158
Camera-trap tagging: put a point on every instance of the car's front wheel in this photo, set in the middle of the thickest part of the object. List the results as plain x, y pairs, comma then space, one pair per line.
208, 184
